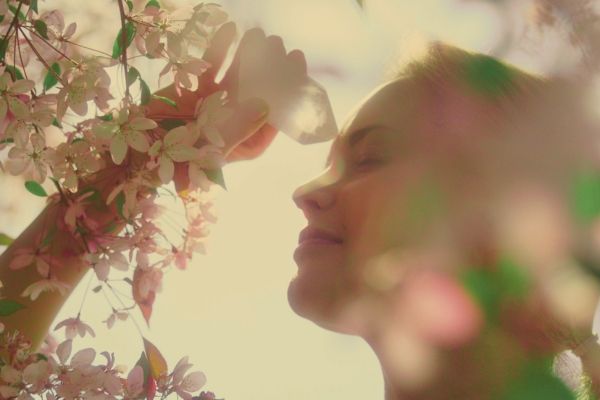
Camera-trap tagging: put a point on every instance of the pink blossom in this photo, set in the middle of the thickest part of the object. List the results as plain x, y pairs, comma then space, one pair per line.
121, 315
25, 257
73, 327
124, 131
135, 382
45, 285
183, 384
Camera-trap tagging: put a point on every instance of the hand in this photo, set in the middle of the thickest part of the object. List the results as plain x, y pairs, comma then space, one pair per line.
258, 58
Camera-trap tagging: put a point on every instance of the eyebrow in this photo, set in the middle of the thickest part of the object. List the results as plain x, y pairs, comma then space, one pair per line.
353, 138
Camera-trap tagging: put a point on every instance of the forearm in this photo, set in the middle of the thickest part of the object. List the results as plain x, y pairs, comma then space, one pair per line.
35, 319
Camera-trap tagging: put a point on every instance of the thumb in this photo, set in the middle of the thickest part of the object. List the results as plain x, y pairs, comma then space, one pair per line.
248, 117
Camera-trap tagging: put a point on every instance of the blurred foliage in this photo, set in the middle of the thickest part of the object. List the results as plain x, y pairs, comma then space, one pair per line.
491, 286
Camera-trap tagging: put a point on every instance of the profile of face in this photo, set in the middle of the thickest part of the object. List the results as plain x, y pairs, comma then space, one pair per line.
380, 191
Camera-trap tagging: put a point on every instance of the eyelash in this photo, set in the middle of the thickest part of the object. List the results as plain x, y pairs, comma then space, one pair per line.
367, 161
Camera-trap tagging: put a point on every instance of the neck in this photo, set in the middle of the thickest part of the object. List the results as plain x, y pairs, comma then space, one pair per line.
414, 371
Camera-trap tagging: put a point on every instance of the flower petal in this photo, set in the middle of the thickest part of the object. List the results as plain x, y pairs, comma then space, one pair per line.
138, 141
182, 153
166, 169
118, 149
141, 124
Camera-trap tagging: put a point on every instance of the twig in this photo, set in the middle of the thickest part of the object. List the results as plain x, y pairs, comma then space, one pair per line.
41, 59
124, 44
13, 22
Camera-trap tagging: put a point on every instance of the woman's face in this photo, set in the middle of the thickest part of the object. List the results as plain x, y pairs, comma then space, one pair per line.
383, 188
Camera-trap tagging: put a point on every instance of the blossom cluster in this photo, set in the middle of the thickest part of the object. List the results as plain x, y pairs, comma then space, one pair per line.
56, 373
62, 124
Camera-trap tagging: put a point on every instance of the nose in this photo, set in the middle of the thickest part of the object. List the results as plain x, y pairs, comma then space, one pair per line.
316, 195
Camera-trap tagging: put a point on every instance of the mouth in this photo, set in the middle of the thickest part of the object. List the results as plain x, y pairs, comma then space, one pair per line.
315, 236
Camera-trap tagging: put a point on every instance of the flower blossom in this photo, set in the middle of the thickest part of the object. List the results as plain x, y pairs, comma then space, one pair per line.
33, 158
124, 132
85, 82
38, 256
74, 327
112, 318
10, 96
211, 113
184, 384
72, 159
45, 285
175, 147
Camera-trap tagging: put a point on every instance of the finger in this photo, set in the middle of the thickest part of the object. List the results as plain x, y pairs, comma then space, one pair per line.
219, 47
254, 146
297, 61
251, 43
275, 46
247, 118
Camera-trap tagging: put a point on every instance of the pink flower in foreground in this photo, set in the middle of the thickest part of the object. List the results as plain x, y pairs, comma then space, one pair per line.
45, 285
135, 383
25, 257
125, 131
73, 327
185, 385
175, 147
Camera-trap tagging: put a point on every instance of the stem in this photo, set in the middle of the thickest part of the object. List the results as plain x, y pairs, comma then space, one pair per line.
43, 39
13, 22
124, 44
87, 48
41, 59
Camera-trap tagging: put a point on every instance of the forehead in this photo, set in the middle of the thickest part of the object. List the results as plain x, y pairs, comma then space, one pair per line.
392, 106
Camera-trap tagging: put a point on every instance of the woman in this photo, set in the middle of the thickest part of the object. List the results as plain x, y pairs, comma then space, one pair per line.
444, 231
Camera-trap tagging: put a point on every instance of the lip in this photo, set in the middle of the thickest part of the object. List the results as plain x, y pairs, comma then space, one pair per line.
317, 236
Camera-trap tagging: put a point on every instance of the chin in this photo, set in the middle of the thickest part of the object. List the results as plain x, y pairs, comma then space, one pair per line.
325, 303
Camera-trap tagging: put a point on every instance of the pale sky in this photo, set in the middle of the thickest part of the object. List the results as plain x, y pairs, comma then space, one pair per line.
229, 311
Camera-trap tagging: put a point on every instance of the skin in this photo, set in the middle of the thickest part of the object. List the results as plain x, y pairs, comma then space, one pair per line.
381, 160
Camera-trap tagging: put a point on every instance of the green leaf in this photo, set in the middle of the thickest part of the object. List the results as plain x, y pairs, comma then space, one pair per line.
513, 279
120, 203
488, 76
143, 362
110, 227
106, 117
130, 5
5, 240
118, 47
146, 94
14, 9
41, 28
97, 289
585, 197
33, 4
216, 176
153, 3
156, 361
132, 75
52, 75
1, 18
7, 140
480, 284
9, 307
537, 382
165, 100
3, 47
168, 124
361, 3
35, 188
15, 72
